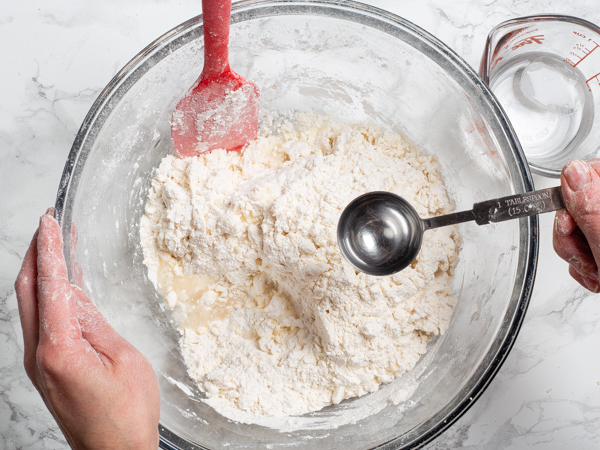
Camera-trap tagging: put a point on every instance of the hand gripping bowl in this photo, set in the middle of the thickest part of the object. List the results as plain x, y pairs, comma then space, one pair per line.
356, 63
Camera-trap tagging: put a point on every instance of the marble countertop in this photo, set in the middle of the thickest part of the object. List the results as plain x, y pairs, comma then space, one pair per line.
56, 58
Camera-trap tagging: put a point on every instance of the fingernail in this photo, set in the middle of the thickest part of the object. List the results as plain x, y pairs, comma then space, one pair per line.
44, 219
591, 284
575, 263
49, 210
578, 176
560, 223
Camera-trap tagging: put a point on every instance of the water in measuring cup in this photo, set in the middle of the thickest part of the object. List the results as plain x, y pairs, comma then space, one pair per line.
547, 101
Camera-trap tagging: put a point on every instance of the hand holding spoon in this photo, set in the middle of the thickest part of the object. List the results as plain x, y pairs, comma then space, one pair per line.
221, 110
380, 233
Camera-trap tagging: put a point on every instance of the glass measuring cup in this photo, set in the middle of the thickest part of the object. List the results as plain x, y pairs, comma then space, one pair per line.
545, 71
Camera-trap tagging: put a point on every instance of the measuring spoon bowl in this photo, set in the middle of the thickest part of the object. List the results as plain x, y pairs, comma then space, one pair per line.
380, 233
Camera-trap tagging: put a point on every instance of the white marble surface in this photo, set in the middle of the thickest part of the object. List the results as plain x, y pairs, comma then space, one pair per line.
57, 55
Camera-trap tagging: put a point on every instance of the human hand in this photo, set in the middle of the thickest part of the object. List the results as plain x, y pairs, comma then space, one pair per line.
102, 392
576, 235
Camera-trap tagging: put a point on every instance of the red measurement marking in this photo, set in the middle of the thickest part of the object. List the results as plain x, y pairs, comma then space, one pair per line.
590, 79
529, 40
586, 54
495, 63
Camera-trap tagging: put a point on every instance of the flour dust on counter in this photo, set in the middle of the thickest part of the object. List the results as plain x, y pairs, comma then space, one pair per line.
242, 247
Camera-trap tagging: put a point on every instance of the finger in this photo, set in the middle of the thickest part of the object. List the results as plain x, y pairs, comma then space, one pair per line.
76, 270
581, 191
74, 238
56, 304
26, 289
575, 250
96, 330
595, 164
587, 282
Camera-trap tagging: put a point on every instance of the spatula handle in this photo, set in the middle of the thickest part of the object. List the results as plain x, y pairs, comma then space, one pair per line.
216, 15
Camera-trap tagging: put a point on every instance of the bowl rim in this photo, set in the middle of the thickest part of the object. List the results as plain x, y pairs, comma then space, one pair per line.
247, 10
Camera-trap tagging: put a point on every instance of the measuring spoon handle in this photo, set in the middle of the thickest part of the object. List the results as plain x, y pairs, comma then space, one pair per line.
505, 208
519, 205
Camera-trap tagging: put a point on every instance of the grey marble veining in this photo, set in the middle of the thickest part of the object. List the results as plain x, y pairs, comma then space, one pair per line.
56, 58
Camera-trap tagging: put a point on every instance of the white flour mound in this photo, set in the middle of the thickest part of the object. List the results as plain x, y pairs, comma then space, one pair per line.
243, 248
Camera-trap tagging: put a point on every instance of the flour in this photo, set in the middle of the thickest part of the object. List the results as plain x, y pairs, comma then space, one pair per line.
222, 115
227, 113
243, 248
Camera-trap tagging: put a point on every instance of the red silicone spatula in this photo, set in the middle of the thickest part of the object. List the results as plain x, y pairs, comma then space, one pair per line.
221, 109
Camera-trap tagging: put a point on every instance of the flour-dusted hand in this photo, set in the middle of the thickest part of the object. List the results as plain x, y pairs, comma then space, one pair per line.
577, 229
102, 392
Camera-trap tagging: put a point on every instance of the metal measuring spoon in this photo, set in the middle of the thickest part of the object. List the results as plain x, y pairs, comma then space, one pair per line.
380, 233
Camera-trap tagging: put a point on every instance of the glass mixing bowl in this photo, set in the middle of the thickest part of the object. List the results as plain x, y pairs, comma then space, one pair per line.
355, 63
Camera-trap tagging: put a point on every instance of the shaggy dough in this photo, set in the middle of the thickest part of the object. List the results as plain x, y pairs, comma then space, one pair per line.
243, 248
